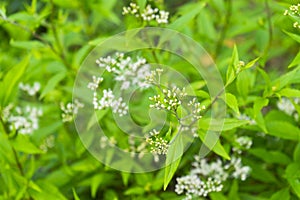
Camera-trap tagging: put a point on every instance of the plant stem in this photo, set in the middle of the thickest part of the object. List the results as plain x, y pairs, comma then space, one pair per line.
270, 30
215, 99
18, 161
41, 39
13, 149
224, 29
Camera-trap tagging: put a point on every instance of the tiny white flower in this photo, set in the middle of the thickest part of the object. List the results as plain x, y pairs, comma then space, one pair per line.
30, 90
69, 110
23, 120
148, 14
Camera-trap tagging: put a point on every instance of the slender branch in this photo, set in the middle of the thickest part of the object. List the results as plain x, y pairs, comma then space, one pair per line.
215, 99
40, 38
224, 29
34, 34
270, 31
13, 149
18, 161
154, 55
54, 30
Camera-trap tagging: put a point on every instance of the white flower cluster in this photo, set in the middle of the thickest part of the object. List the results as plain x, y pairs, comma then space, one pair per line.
48, 143
107, 141
206, 177
135, 148
158, 145
148, 14
240, 66
70, 110
192, 185
246, 117
288, 107
127, 71
243, 142
109, 100
30, 90
296, 25
170, 100
154, 76
95, 84
294, 10
238, 170
23, 120
196, 109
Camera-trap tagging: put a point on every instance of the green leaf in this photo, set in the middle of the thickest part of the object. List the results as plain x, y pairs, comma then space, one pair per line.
251, 63
96, 117
184, 19
142, 4
292, 174
212, 141
110, 195
289, 92
286, 79
173, 158
296, 37
231, 70
49, 191
257, 107
233, 193
245, 196
198, 85
22, 143
265, 76
76, 197
296, 155
231, 101
282, 194
283, 130
217, 196
296, 61
29, 45
135, 191
259, 171
272, 157
11, 81
221, 125
243, 83
125, 177
52, 83
259, 119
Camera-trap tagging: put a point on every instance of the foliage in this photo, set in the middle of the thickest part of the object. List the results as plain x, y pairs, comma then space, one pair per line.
255, 45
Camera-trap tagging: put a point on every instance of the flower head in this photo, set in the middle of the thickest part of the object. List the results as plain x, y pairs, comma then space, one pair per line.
206, 177
69, 110
148, 14
294, 12
127, 71
158, 145
23, 120
30, 90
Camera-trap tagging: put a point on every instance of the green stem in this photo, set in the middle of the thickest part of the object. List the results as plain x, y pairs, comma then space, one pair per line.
224, 29
19, 165
40, 38
15, 154
13, 149
270, 31
61, 51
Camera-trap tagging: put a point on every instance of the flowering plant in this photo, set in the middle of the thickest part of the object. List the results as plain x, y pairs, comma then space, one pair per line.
149, 99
